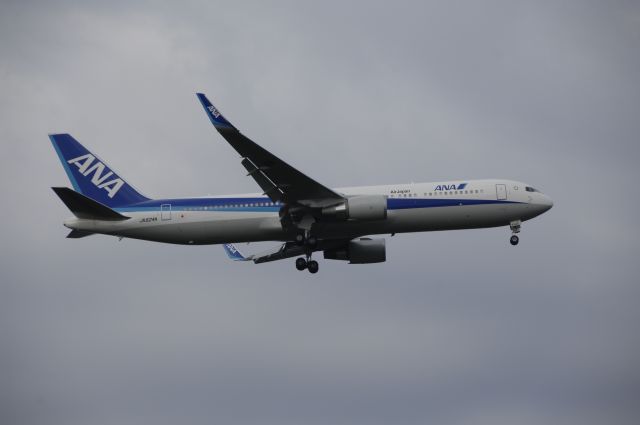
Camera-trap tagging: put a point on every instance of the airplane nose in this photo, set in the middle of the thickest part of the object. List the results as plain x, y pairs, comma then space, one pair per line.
546, 203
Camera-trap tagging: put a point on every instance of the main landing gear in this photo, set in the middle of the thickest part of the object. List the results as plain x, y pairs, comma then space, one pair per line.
308, 264
309, 242
515, 228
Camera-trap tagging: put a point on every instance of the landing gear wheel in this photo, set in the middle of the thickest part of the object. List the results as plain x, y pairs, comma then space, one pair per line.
313, 266
301, 264
514, 240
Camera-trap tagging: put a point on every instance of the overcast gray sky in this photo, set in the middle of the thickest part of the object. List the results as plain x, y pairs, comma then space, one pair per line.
455, 328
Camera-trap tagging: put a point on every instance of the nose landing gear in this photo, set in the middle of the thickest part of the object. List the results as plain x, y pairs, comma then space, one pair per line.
515, 228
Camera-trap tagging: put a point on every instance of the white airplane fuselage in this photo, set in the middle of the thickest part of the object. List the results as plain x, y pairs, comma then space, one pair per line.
416, 207
293, 208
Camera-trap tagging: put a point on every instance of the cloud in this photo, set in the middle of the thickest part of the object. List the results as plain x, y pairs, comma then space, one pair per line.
457, 327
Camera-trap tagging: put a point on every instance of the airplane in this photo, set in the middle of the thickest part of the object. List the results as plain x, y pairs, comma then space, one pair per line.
292, 208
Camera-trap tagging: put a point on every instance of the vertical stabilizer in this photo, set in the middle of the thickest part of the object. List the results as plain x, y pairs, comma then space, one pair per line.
91, 176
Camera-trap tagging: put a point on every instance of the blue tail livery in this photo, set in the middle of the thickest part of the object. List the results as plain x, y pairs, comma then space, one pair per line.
91, 176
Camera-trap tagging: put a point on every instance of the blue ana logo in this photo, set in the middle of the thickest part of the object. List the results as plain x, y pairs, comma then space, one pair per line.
451, 186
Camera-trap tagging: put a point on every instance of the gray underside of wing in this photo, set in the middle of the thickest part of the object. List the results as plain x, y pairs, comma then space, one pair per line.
286, 250
291, 249
280, 181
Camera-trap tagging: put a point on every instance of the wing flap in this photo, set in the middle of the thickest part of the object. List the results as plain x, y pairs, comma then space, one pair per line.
286, 250
272, 190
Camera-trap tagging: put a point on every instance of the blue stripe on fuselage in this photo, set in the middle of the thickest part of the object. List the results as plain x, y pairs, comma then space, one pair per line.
253, 204
403, 204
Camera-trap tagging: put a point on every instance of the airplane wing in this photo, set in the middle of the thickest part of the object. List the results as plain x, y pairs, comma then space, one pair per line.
279, 181
286, 250
283, 251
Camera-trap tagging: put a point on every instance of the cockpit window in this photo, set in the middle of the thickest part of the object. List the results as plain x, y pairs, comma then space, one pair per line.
530, 189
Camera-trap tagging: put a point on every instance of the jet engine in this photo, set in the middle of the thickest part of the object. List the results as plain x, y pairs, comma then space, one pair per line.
361, 251
361, 207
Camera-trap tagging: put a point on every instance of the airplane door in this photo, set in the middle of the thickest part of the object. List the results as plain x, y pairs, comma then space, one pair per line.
165, 212
501, 192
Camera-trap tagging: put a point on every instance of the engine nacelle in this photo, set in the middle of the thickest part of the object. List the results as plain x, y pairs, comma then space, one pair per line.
361, 207
362, 251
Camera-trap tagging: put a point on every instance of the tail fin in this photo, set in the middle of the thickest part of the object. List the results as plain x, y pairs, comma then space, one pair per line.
91, 176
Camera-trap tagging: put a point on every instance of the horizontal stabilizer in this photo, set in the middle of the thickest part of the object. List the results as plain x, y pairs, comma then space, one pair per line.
84, 207
77, 234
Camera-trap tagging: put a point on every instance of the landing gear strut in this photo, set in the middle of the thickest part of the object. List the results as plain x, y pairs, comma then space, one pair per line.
306, 239
515, 228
